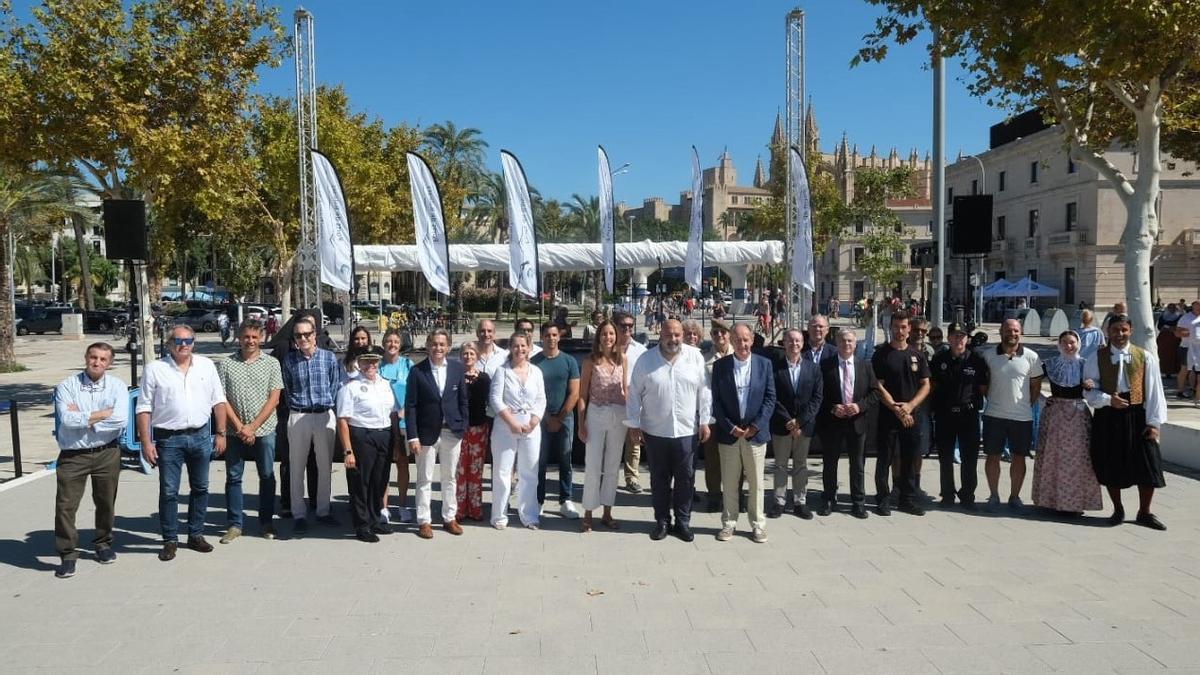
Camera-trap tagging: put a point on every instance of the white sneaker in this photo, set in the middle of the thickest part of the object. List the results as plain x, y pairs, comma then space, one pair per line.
568, 510
759, 536
385, 516
725, 534
408, 515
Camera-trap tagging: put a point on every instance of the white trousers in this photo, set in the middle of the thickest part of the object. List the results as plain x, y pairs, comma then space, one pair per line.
445, 451
524, 450
602, 463
303, 430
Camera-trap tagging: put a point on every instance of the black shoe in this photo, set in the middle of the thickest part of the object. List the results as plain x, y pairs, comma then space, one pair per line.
106, 556
774, 509
167, 554
803, 511
859, 511
947, 502
286, 514
684, 532
300, 527
1117, 517
826, 508
328, 521
66, 569
199, 545
1150, 520
969, 506
660, 532
366, 535
381, 528
882, 508
912, 508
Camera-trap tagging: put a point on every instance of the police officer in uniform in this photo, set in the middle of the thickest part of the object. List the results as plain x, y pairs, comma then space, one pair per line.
959, 378
366, 408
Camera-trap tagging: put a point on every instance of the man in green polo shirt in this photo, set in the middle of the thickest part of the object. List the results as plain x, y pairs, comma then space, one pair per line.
253, 382
560, 372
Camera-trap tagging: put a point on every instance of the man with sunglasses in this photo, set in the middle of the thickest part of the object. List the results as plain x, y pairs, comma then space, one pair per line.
311, 378
180, 392
633, 351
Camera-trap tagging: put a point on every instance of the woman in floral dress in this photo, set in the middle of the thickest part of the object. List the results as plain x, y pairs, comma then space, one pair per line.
476, 439
1063, 479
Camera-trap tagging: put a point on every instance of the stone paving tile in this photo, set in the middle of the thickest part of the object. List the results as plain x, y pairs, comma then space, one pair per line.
553, 665
900, 637
955, 613
659, 663
660, 641
857, 661
1015, 633
1172, 653
800, 638
985, 659
1010, 611
443, 664
765, 664
1109, 631
1094, 657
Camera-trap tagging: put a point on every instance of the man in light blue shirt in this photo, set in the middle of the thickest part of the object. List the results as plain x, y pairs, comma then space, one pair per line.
92, 409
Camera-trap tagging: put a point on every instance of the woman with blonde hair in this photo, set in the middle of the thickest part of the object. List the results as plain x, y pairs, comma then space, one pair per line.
518, 395
601, 412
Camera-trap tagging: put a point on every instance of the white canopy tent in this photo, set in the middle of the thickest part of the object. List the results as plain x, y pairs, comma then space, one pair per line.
733, 257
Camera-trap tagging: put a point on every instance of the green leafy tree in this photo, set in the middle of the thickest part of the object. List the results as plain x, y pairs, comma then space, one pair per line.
885, 258
1106, 71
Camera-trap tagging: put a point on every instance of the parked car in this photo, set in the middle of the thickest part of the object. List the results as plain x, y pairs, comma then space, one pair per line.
40, 320
201, 320
98, 321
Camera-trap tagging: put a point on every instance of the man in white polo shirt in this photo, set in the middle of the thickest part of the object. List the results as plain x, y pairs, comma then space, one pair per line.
1014, 384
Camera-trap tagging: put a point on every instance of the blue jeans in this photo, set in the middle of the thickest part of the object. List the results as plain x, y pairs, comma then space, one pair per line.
195, 450
556, 445
262, 451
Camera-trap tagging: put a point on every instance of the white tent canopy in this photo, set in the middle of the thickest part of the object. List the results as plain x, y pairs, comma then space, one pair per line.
573, 257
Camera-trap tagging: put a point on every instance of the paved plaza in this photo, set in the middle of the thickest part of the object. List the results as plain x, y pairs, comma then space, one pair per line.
952, 592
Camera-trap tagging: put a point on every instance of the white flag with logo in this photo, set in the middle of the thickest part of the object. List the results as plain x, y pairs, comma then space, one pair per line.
429, 225
608, 247
522, 239
802, 248
333, 225
693, 269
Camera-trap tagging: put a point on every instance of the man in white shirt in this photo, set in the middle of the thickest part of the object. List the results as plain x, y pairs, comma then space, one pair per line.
1188, 330
1014, 384
179, 394
491, 355
667, 398
633, 351
1123, 384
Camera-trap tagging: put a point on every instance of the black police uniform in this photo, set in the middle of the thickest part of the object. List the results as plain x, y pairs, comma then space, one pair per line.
900, 371
957, 403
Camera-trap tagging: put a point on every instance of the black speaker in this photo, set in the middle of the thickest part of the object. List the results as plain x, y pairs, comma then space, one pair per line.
124, 229
972, 230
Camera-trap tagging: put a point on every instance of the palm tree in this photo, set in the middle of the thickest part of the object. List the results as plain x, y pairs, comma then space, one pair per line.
68, 188
25, 196
458, 153
585, 211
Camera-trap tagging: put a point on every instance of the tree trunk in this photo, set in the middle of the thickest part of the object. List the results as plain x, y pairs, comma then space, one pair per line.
1141, 229
8, 358
87, 292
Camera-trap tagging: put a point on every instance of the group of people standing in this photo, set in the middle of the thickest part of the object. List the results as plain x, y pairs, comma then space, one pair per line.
524, 406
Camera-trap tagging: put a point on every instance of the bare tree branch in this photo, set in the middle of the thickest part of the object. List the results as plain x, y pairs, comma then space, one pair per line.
1118, 89
1079, 142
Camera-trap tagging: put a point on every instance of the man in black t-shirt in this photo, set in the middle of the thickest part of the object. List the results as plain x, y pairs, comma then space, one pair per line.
903, 375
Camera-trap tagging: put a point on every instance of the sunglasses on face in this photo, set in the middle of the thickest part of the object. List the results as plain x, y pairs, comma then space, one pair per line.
626, 326
305, 336
184, 342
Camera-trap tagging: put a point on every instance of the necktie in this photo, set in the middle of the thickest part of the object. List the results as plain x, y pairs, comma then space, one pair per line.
847, 388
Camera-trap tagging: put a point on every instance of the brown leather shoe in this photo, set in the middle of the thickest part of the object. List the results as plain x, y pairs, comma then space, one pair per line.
199, 544
452, 527
167, 554
425, 531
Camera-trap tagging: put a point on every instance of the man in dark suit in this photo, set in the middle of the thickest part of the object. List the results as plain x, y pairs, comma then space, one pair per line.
798, 398
850, 395
435, 412
818, 350
743, 390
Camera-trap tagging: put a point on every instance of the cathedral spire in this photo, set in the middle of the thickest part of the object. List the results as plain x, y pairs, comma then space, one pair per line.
778, 138
811, 133
760, 176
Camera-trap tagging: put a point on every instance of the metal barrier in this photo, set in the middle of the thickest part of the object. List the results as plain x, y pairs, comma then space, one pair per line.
16, 434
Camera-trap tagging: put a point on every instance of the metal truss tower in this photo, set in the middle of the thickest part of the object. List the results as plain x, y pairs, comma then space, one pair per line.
795, 131
308, 282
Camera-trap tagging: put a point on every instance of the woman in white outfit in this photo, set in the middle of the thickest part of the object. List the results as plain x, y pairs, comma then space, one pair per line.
518, 395
601, 410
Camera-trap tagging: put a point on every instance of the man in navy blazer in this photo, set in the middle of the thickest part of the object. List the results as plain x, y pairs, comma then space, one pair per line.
819, 350
435, 413
743, 390
798, 398
850, 396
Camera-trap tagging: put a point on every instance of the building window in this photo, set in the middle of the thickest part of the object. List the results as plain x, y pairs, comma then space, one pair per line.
974, 187
1032, 274
1003, 182
859, 252
1069, 286
1001, 226
1033, 170
1033, 222
860, 290
732, 199
949, 195
96, 231
1072, 216
899, 228
96, 245
1071, 168
860, 227
898, 257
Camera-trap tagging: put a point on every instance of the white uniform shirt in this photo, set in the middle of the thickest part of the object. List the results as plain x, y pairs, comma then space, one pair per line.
1155, 401
177, 401
666, 398
367, 404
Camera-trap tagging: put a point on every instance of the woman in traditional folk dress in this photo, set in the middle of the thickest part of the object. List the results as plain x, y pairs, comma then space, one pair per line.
1063, 478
